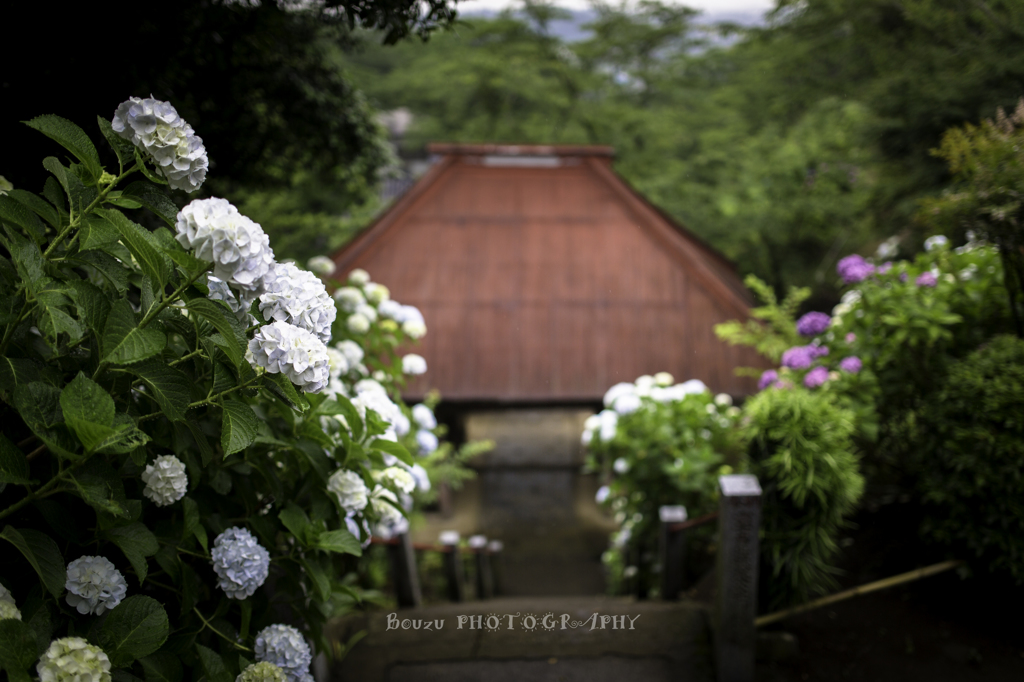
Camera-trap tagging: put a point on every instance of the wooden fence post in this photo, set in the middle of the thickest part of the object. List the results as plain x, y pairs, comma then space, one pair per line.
484, 581
403, 568
453, 566
672, 551
739, 524
494, 550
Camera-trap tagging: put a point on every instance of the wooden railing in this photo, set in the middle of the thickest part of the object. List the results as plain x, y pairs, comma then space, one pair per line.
486, 566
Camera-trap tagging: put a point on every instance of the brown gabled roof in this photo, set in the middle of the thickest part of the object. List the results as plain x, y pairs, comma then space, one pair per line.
546, 253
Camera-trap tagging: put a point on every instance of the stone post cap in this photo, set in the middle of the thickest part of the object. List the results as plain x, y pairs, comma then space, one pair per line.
672, 513
449, 537
477, 541
495, 545
739, 485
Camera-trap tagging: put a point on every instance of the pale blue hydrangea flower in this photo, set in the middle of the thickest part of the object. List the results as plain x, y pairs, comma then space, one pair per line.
627, 403
424, 416
240, 562
426, 441
300, 298
285, 647
94, 585
238, 247
72, 659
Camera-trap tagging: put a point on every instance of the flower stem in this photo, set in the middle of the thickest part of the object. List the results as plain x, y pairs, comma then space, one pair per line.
219, 633
153, 312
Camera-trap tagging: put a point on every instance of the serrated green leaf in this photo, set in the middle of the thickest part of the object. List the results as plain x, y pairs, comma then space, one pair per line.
105, 265
392, 448
27, 258
88, 409
340, 541
37, 205
343, 406
18, 649
137, 542
191, 265
42, 553
225, 322
96, 233
193, 523
213, 666
53, 322
78, 195
295, 520
171, 389
99, 486
239, 427
15, 213
283, 388
154, 198
14, 371
319, 576
39, 406
205, 449
314, 452
13, 463
154, 263
162, 666
72, 138
135, 628
123, 341
92, 304
123, 148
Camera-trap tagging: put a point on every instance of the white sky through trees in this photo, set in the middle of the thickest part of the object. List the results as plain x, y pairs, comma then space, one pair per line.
707, 6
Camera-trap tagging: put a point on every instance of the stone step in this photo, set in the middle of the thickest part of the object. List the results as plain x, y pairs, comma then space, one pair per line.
666, 641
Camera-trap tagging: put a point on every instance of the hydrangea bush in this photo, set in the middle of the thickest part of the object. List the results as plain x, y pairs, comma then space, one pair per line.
657, 443
178, 407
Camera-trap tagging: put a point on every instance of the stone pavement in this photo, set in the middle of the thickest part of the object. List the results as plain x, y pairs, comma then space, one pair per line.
668, 641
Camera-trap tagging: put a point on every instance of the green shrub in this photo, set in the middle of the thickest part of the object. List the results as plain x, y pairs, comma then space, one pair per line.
802, 451
972, 482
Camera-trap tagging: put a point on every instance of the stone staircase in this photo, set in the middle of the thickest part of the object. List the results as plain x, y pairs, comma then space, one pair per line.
626, 640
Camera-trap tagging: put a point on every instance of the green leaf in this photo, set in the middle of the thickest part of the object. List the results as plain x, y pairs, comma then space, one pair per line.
78, 196
225, 322
126, 436
99, 486
72, 138
340, 541
27, 258
13, 463
18, 649
15, 213
162, 666
86, 406
283, 388
171, 389
392, 448
93, 305
205, 449
123, 342
124, 149
193, 523
38, 206
143, 246
42, 552
239, 428
135, 628
137, 542
145, 169
15, 371
153, 198
105, 265
295, 520
39, 406
319, 576
213, 666
190, 265
96, 233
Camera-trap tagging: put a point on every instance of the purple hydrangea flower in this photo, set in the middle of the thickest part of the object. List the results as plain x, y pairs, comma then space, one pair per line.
816, 377
798, 357
926, 279
854, 269
767, 379
851, 364
818, 351
885, 267
851, 337
813, 324
903, 277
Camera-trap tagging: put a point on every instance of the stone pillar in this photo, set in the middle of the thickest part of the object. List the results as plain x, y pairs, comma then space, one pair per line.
482, 564
494, 550
739, 524
403, 568
453, 566
672, 551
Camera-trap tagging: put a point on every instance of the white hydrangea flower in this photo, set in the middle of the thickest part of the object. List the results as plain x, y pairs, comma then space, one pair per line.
264, 671
723, 400
349, 488
389, 309
300, 298
5, 595
298, 354
602, 494
645, 382
420, 475
935, 242
414, 364
321, 265
238, 248
240, 562
693, 386
409, 313
156, 128
620, 465
8, 611
367, 311
384, 504
399, 477
355, 527
358, 323
424, 416
627, 403
371, 395
94, 585
165, 479
426, 441
414, 330
664, 379
586, 437
239, 301
352, 350
285, 647
609, 424
888, 249
376, 293
621, 388
359, 277
338, 363
402, 425
349, 298
72, 659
